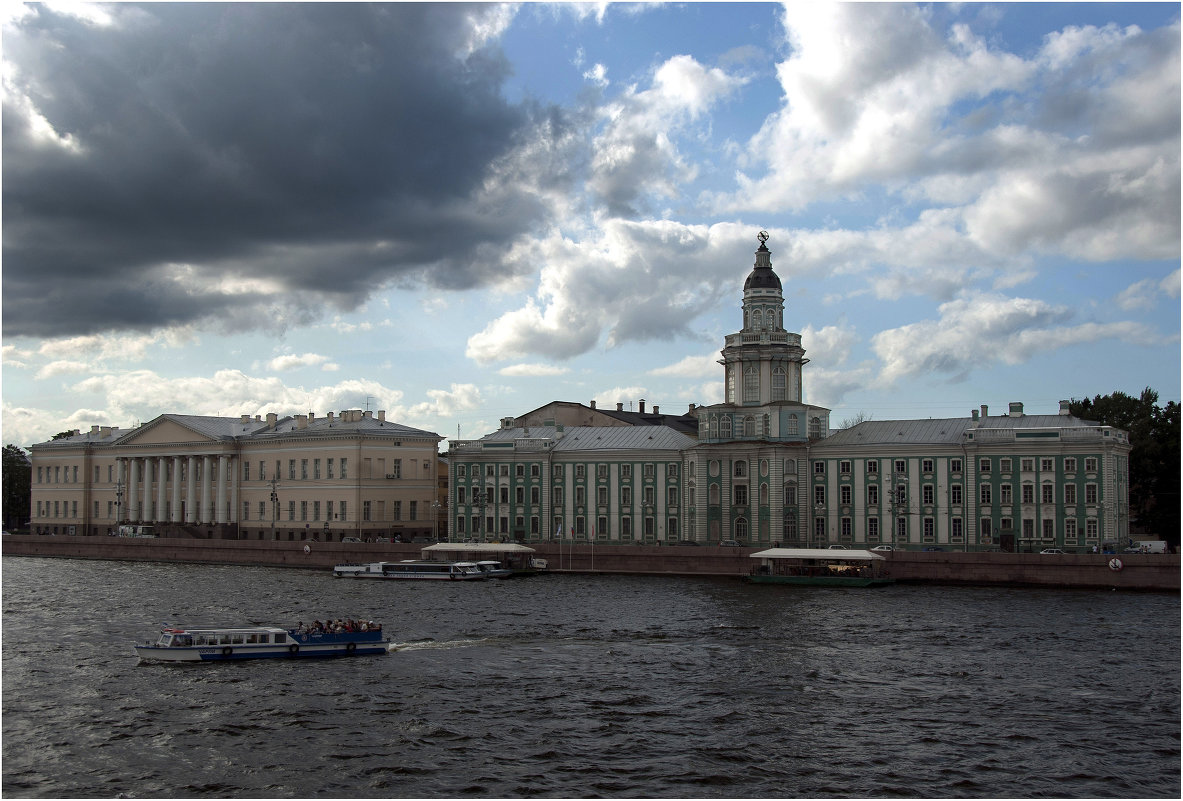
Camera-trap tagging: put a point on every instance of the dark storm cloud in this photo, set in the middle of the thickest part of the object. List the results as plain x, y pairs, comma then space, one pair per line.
311, 150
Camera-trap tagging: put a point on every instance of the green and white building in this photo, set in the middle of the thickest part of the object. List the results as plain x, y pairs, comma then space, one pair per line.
765, 468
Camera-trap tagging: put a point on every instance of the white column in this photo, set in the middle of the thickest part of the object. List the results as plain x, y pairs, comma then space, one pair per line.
146, 509
203, 515
161, 474
121, 466
235, 478
191, 490
175, 517
133, 503
223, 476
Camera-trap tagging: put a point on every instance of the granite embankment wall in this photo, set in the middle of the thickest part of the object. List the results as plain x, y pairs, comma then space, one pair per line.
1154, 572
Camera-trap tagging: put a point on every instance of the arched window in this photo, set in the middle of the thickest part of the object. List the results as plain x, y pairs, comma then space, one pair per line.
757, 322
751, 384
778, 383
741, 469
790, 494
714, 426
741, 528
731, 383
725, 427
749, 426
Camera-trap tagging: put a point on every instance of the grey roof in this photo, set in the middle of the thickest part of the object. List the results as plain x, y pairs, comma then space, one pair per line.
600, 438
588, 438
941, 431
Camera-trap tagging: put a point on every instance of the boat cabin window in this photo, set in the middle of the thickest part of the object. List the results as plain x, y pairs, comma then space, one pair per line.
281, 638
236, 639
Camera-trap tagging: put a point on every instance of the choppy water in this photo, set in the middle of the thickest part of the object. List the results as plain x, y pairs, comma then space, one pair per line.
588, 686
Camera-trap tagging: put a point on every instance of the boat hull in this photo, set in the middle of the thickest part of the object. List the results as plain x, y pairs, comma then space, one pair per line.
822, 581
220, 653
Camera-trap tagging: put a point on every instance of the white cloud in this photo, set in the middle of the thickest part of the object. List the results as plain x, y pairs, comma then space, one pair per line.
62, 367
292, 361
976, 330
447, 402
691, 367
525, 370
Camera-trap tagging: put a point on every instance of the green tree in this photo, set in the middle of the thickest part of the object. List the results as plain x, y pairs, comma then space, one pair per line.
17, 487
1154, 456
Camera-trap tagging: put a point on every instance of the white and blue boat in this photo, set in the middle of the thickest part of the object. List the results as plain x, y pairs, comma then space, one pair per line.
260, 642
413, 569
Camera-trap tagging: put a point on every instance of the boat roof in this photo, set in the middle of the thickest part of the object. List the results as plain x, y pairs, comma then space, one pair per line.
837, 555
221, 629
487, 547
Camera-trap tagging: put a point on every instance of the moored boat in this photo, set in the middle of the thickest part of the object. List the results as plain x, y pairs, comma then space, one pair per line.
493, 569
207, 644
519, 560
816, 567
413, 569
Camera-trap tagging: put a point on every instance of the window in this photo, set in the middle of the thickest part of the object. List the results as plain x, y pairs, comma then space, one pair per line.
984, 494
246, 471
819, 468
556, 472
1090, 464
955, 465
873, 495
626, 527
1049, 529
901, 466
580, 496
519, 470
601, 527
987, 530
316, 510
984, 465
751, 384
414, 510
648, 471
955, 532
792, 426
1070, 494
1028, 493
741, 494
1004, 494
1090, 493
503, 470
1047, 493
304, 469
626, 496
601, 471
926, 495
535, 496
535, 471
872, 465
291, 469
602, 496
461, 494
461, 470
291, 510
819, 495
671, 470
790, 467
365, 510
519, 495
626, 471
749, 426
671, 496
1070, 464
790, 495
778, 383
316, 469
873, 529
844, 467
1027, 465
844, 494
343, 515
262, 510
344, 468
671, 528
955, 494
1090, 528
725, 427
504, 495
580, 471
926, 465
845, 531
303, 510
741, 469
929, 530
1070, 529
1047, 465
396, 468
819, 528
1004, 465
1006, 524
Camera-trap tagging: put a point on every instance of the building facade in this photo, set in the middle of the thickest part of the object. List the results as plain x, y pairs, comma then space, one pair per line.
352, 474
765, 468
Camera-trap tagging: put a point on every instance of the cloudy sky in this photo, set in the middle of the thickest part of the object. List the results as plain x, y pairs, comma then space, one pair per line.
460, 213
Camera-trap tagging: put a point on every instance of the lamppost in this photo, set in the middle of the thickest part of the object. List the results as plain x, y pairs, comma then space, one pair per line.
435, 510
118, 504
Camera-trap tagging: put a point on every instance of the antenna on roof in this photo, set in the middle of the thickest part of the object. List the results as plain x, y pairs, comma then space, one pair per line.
369, 398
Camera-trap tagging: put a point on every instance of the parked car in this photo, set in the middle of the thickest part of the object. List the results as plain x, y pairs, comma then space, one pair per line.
382, 539
883, 548
729, 543
934, 548
686, 542
1051, 550
836, 548
350, 539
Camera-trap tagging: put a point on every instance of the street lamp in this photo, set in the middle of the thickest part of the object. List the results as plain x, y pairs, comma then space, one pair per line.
435, 510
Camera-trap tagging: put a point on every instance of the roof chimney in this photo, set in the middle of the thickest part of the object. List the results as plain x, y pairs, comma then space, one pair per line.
246, 418
382, 415
1064, 407
692, 407
983, 411
592, 403
973, 415
620, 406
301, 421
642, 405
330, 416
271, 418
1016, 409
367, 415
656, 409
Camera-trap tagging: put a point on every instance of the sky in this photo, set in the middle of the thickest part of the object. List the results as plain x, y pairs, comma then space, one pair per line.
459, 213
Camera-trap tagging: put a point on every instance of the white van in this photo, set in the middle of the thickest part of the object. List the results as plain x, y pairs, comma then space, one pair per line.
1151, 546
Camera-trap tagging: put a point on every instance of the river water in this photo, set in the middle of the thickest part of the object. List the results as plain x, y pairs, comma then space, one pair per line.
580, 686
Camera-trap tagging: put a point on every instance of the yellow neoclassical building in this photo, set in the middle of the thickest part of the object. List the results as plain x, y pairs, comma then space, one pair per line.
349, 474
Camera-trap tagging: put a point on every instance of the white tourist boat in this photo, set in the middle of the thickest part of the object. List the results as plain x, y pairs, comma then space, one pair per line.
493, 569
413, 569
260, 642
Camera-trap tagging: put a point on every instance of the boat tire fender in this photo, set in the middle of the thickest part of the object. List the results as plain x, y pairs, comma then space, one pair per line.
293, 649
351, 647
227, 651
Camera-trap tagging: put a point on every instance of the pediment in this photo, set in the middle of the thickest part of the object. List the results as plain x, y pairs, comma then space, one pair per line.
164, 430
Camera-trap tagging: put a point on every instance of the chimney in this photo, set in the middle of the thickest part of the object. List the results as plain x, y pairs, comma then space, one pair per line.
642, 405
311, 416
1064, 410
973, 414
1016, 409
656, 409
592, 403
301, 421
105, 430
382, 415
330, 416
367, 415
94, 429
692, 407
258, 419
246, 418
620, 406
983, 411
271, 418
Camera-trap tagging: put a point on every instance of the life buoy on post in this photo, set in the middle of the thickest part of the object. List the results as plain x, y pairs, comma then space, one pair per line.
307, 549
227, 651
1115, 564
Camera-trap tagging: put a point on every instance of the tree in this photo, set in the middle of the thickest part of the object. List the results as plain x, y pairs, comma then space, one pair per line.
1154, 456
851, 422
17, 489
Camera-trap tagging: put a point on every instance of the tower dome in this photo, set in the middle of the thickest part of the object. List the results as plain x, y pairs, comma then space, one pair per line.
762, 275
